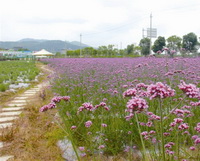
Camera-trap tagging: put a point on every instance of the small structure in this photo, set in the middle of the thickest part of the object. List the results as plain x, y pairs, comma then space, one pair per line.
42, 54
15, 54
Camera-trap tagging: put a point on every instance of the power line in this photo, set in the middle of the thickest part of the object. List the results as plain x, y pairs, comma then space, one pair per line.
116, 28
144, 17
139, 19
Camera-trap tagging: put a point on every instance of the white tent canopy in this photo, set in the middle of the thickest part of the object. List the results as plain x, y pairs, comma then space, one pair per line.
41, 56
43, 52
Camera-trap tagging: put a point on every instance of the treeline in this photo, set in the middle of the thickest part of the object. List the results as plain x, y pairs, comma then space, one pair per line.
186, 45
103, 51
173, 45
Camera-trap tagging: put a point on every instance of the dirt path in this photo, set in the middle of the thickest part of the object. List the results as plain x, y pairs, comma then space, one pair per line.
13, 109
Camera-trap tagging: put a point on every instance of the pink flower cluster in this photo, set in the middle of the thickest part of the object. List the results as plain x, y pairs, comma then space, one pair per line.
88, 124
136, 104
86, 106
181, 113
130, 92
197, 128
89, 107
47, 107
183, 126
102, 104
189, 89
136, 92
81, 148
141, 85
57, 99
196, 139
195, 103
148, 135
104, 125
73, 127
168, 146
159, 90
101, 147
53, 103
152, 116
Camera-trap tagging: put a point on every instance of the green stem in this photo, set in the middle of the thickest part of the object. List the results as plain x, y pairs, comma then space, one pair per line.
70, 138
176, 106
143, 146
161, 129
101, 130
177, 143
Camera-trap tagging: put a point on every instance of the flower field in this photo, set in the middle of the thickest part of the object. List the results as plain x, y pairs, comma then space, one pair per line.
138, 108
14, 72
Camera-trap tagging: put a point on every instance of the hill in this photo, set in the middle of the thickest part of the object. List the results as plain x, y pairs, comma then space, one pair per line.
38, 44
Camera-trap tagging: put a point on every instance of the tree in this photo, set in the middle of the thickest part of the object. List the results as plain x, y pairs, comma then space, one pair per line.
158, 44
174, 42
122, 52
111, 50
130, 49
189, 42
107, 50
90, 51
145, 45
137, 50
23, 49
102, 50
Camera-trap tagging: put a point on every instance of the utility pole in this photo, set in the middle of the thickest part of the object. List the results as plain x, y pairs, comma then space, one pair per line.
150, 33
143, 33
80, 44
65, 48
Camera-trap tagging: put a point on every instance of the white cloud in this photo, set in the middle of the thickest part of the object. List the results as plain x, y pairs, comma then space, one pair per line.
101, 22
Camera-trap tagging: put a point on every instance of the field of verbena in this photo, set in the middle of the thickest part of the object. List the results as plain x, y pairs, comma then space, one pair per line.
14, 72
102, 118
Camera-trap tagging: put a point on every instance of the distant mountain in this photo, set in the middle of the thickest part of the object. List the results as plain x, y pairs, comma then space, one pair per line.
38, 44
30, 39
75, 43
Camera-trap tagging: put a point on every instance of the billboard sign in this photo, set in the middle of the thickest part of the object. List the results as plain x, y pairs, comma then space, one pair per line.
152, 33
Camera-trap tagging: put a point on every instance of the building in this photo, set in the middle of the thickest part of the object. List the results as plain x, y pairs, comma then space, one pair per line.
15, 54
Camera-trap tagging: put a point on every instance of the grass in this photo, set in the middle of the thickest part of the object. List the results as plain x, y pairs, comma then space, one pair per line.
9, 95
13, 72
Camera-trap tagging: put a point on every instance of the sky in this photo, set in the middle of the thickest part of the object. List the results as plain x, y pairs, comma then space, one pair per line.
100, 22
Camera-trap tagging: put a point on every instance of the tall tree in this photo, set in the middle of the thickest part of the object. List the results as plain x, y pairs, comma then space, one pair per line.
102, 50
190, 41
111, 50
89, 51
130, 49
174, 42
158, 44
145, 45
